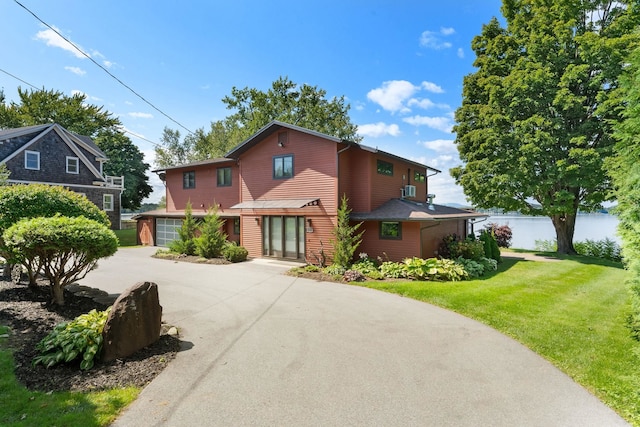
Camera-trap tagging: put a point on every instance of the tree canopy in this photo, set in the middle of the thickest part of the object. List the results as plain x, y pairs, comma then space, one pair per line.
535, 122
38, 107
306, 106
624, 168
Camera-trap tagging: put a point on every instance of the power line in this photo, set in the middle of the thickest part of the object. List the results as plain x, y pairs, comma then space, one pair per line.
18, 78
102, 68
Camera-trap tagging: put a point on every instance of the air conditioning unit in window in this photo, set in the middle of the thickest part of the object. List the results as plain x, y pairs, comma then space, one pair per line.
409, 191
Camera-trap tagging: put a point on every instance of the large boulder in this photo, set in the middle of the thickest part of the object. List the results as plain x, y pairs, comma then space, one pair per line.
133, 323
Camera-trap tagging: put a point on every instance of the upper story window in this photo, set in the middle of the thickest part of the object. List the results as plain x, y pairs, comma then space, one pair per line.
419, 176
224, 177
283, 166
385, 168
73, 165
32, 160
107, 202
189, 179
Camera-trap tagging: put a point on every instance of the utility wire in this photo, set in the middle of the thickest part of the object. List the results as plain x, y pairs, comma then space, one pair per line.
155, 144
18, 78
101, 67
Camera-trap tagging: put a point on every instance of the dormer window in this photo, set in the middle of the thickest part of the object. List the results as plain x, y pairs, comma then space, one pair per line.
73, 165
32, 160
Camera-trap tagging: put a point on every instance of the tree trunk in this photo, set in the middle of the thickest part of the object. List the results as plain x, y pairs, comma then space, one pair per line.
565, 226
57, 294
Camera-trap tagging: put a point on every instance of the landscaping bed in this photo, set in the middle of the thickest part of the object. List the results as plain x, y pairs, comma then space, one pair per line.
30, 317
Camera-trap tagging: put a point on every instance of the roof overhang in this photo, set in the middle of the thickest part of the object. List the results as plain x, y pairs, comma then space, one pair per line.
405, 210
277, 204
196, 213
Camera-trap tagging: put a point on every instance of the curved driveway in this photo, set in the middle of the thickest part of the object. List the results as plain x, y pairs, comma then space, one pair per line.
266, 349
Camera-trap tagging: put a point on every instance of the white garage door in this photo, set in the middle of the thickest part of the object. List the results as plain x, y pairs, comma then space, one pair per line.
167, 230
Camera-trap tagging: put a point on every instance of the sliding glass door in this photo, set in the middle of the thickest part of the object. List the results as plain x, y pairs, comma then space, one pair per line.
283, 236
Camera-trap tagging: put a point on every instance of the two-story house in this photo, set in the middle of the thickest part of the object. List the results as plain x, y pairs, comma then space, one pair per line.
279, 192
50, 154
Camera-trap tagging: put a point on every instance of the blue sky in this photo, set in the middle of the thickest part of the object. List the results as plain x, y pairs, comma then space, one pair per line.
400, 64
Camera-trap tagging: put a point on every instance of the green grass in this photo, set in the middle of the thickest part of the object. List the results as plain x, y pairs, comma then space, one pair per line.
572, 312
126, 237
21, 407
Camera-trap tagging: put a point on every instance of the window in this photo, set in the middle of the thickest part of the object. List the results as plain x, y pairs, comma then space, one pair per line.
236, 226
189, 179
385, 168
32, 160
283, 167
224, 177
73, 165
107, 202
418, 176
390, 230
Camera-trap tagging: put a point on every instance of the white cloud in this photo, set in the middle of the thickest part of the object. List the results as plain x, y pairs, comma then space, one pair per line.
432, 40
424, 103
137, 115
107, 64
379, 129
392, 94
447, 31
440, 145
51, 38
443, 124
460, 52
431, 87
76, 70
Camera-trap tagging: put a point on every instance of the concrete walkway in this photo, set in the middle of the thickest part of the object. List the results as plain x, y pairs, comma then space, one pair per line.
266, 349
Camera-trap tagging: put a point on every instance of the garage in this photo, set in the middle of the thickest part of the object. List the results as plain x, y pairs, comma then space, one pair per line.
167, 230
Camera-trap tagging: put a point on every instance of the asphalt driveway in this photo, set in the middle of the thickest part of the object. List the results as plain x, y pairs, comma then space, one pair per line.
266, 349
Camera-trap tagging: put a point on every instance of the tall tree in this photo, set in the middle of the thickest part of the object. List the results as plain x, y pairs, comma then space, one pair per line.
126, 159
38, 107
624, 168
305, 106
535, 121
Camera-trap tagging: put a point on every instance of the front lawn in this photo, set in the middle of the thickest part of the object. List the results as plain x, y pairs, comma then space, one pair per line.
126, 237
22, 407
572, 312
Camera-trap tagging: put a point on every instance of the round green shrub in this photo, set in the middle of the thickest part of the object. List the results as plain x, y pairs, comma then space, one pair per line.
235, 253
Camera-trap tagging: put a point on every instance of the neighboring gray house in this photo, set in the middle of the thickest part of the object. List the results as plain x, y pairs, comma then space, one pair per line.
50, 154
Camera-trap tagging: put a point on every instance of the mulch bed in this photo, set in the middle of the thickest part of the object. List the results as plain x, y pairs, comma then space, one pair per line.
30, 317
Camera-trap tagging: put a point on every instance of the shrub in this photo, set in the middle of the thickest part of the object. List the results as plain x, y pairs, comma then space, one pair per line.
434, 269
605, 249
346, 237
393, 270
452, 247
212, 239
374, 275
82, 337
491, 249
365, 265
334, 270
311, 268
473, 268
502, 234
352, 276
546, 245
185, 244
235, 253
66, 248
489, 264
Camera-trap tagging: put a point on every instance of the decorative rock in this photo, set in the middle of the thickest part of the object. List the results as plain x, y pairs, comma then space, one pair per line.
173, 331
133, 323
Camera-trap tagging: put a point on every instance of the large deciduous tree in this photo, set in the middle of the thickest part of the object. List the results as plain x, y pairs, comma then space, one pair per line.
535, 122
38, 107
624, 168
306, 106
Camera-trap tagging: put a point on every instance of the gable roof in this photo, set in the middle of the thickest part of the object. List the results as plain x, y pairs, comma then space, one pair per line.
271, 127
407, 210
194, 164
72, 140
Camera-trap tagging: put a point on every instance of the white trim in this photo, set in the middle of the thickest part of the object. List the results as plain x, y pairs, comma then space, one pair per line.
62, 184
26, 165
105, 203
77, 165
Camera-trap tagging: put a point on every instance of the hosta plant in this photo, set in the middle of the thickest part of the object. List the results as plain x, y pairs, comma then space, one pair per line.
81, 337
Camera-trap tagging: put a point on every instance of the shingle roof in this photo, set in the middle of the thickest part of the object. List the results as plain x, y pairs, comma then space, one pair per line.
406, 210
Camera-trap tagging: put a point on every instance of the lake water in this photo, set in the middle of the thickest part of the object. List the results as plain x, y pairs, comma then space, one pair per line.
527, 229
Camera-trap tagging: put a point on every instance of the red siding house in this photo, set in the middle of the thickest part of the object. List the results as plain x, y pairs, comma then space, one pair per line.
279, 192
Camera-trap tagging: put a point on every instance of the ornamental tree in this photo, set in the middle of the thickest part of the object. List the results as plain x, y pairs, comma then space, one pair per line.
536, 118
346, 236
66, 249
